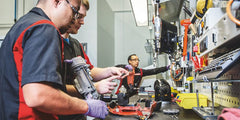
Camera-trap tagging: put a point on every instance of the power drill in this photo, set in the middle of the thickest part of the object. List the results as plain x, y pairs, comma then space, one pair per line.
83, 82
157, 27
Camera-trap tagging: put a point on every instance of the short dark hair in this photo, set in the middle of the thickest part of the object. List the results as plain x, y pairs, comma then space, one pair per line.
86, 4
129, 57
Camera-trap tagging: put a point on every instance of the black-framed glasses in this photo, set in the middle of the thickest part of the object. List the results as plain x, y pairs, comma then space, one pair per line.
135, 60
77, 15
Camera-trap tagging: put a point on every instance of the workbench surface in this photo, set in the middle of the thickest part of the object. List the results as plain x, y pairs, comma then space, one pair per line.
184, 114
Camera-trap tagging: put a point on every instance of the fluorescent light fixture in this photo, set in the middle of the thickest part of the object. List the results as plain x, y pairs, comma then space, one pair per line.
140, 11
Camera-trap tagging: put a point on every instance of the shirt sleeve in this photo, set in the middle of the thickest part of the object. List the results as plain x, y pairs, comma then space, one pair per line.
121, 65
154, 71
41, 55
86, 58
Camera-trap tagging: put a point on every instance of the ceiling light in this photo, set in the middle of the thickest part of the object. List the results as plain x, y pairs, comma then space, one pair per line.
140, 12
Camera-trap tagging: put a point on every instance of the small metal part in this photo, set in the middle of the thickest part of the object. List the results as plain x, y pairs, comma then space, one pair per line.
171, 111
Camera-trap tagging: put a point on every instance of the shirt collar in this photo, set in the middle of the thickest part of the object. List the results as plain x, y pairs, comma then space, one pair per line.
40, 12
67, 40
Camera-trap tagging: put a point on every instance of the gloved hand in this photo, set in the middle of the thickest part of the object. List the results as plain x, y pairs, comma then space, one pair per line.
129, 67
131, 91
96, 108
168, 67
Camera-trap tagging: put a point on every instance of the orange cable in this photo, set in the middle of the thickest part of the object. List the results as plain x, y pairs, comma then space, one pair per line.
228, 9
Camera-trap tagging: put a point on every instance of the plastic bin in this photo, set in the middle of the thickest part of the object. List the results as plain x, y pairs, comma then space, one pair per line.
189, 100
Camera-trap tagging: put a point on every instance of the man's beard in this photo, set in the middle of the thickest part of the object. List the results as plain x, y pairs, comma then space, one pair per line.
65, 28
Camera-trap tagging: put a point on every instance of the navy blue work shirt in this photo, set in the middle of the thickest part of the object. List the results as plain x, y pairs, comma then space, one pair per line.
41, 62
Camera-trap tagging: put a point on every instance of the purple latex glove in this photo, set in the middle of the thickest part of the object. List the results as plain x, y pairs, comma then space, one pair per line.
68, 61
129, 67
96, 108
168, 67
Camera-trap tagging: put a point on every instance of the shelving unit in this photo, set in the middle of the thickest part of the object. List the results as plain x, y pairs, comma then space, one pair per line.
210, 113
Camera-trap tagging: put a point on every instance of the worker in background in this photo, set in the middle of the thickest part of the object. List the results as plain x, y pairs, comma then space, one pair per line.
30, 66
132, 82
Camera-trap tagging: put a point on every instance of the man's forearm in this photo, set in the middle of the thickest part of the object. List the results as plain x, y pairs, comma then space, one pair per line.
99, 73
71, 90
103, 73
48, 99
154, 71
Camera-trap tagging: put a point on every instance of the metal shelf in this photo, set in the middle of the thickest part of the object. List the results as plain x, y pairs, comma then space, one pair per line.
203, 81
209, 113
206, 113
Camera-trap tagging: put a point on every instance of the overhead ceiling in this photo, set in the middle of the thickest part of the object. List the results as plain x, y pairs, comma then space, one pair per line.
170, 8
119, 5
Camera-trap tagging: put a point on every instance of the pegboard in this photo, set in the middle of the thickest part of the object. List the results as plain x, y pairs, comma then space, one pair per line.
226, 94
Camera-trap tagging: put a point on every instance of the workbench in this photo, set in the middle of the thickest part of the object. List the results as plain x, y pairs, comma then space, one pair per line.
184, 114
